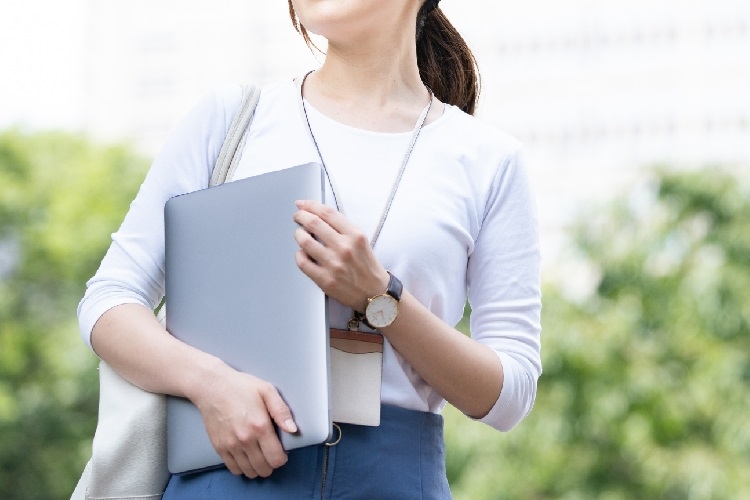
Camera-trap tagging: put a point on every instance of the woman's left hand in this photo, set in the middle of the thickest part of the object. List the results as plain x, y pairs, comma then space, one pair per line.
337, 255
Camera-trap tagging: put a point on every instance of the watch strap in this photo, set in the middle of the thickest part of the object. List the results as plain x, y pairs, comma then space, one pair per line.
395, 287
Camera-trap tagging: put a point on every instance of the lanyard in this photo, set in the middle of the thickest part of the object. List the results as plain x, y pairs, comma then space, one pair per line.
407, 155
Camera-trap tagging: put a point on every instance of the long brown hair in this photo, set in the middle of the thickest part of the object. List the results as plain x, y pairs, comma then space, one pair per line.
446, 64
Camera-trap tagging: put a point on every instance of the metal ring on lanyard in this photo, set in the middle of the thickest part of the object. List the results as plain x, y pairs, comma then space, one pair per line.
338, 439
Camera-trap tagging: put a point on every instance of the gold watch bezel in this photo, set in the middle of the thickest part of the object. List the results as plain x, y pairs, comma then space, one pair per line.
371, 320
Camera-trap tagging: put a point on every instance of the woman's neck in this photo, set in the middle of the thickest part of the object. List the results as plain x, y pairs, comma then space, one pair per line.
370, 86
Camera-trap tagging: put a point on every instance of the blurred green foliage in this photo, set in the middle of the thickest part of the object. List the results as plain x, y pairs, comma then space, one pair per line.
60, 198
646, 384
645, 391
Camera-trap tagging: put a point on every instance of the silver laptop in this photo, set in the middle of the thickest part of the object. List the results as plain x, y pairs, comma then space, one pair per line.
234, 290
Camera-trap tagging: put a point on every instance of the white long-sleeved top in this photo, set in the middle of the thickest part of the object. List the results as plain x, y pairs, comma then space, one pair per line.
462, 224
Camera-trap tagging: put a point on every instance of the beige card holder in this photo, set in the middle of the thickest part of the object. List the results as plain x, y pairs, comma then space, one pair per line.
356, 373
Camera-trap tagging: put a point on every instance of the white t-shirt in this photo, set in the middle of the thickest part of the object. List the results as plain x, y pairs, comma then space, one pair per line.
462, 224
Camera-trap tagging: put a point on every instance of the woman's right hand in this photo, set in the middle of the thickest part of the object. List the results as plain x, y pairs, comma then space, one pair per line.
239, 411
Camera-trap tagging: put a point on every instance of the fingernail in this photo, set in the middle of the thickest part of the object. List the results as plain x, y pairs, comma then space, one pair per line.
299, 203
291, 427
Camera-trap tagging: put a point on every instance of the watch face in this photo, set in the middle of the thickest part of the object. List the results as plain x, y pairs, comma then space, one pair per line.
381, 310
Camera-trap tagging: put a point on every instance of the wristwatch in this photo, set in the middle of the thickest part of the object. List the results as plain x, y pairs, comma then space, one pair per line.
381, 310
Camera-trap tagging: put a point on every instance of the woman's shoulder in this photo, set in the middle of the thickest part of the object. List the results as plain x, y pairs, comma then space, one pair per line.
471, 134
227, 97
481, 148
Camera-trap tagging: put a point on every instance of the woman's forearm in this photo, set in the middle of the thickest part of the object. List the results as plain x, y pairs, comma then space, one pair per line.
137, 346
469, 375
341, 262
238, 409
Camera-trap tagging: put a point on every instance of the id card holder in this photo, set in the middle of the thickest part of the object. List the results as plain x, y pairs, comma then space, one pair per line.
356, 376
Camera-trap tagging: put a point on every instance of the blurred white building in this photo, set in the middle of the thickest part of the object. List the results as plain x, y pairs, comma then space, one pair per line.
586, 84
596, 89
600, 90
150, 60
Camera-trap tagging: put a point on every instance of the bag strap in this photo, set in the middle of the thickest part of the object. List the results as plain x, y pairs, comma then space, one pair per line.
228, 158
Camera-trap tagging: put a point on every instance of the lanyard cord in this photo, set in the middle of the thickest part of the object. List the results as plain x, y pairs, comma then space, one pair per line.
412, 142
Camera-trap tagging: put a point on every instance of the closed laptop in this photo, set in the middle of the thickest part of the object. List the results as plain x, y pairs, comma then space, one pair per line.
234, 290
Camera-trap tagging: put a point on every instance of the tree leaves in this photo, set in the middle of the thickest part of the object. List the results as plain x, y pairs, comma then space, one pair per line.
645, 388
60, 198
646, 384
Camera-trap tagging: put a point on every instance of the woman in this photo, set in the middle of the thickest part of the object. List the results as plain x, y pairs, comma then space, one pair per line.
461, 224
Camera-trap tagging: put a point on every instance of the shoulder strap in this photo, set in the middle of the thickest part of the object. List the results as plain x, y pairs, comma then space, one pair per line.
228, 158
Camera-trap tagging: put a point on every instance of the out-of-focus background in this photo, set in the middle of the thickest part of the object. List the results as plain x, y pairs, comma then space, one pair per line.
636, 120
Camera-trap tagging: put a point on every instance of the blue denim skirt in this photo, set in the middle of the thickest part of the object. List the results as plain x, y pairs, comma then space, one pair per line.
403, 458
